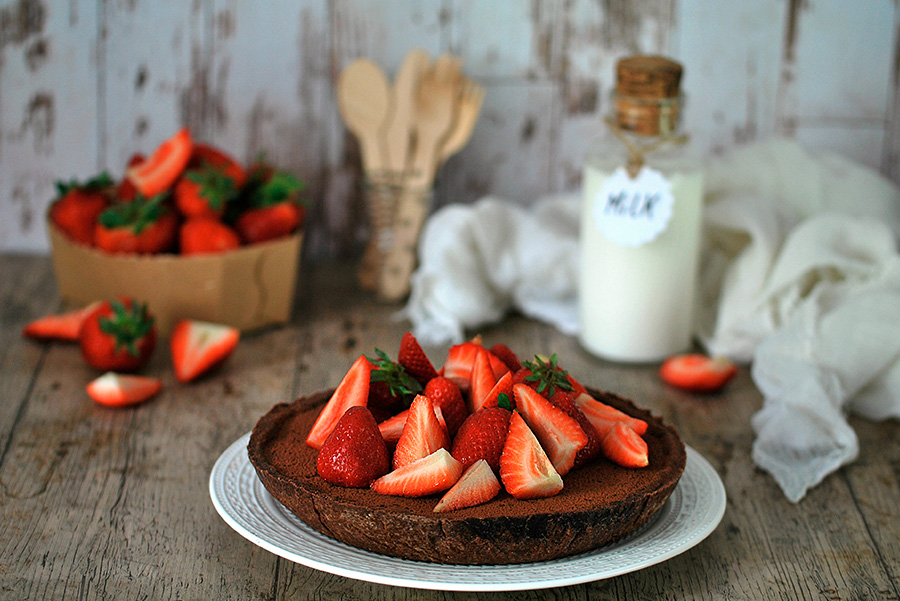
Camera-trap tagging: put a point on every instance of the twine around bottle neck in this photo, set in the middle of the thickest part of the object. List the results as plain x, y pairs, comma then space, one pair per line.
637, 152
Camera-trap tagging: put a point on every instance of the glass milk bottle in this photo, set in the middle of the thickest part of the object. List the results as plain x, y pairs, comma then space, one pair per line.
640, 222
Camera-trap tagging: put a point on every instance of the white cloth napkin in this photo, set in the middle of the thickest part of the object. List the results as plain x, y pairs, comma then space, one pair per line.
800, 276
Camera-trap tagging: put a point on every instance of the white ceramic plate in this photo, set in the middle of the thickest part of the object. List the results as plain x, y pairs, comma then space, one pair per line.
692, 512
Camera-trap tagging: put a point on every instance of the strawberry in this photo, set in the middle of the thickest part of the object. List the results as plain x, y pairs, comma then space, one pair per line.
159, 171
143, 225
460, 360
118, 335
565, 400
560, 435
199, 346
204, 155
422, 433
354, 454
413, 359
525, 470
203, 235
482, 436
481, 380
78, 205
444, 393
506, 354
119, 390
603, 417
63, 326
125, 190
391, 386
623, 446
543, 375
477, 485
352, 391
697, 373
204, 192
392, 427
274, 209
426, 476
502, 387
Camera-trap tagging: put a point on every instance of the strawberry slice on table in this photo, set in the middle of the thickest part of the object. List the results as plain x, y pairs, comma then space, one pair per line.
61, 326
525, 469
422, 434
274, 209
477, 485
121, 390
559, 434
565, 400
78, 205
204, 236
444, 393
414, 360
354, 454
623, 446
158, 172
482, 436
603, 417
352, 391
118, 335
434, 473
199, 346
143, 225
695, 372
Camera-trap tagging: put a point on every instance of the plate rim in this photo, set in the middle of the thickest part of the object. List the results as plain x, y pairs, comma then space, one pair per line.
234, 459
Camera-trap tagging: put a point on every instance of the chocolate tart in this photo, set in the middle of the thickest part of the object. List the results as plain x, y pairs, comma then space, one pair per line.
600, 502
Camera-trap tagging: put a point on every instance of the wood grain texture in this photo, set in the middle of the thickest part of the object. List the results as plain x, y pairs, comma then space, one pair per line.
114, 504
86, 83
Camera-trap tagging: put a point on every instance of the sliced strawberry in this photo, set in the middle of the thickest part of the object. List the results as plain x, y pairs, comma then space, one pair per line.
199, 346
160, 170
354, 454
422, 434
434, 473
460, 360
503, 386
697, 373
482, 436
352, 391
62, 326
120, 390
392, 427
477, 485
565, 400
444, 393
623, 446
481, 380
525, 470
559, 434
603, 417
506, 354
413, 358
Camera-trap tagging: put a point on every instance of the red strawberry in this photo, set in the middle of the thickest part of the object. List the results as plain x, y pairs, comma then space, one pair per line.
204, 155
543, 375
198, 346
697, 373
560, 435
204, 192
118, 335
482, 436
603, 417
391, 386
477, 485
413, 359
434, 473
143, 225
119, 390
460, 360
422, 433
354, 454
565, 400
160, 170
352, 391
444, 393
525, 470
203, 236
502, 387
506, 354
481, 380
79, 204
274, 208
392, 427
623, 446
63, 326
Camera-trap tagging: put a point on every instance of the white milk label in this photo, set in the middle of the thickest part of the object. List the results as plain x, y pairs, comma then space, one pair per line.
632, 212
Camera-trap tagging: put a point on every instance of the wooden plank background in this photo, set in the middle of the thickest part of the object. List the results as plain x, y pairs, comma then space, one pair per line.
85, 83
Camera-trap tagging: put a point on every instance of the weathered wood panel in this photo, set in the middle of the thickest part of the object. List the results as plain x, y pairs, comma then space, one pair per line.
84, 84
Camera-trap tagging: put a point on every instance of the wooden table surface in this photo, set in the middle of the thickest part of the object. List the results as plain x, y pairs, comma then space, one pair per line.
114, 504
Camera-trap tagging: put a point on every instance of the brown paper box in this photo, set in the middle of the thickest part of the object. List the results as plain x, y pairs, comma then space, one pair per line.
246, 288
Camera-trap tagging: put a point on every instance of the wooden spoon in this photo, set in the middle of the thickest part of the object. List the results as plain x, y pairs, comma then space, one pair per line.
471, 98
364, 101
399, 127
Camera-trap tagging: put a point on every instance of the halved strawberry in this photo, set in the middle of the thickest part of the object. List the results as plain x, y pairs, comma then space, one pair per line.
697, 373
354, 454
120, 390
392, 427
434, 473
444, 393
481, 380
160, 170
525, 470
422, 433
507, 355
623, 446
504, 386
352, 391
603, 417
565, 400
477, 485
199, 346
460, 360
482, 436
61, 326
413, 359
559, 434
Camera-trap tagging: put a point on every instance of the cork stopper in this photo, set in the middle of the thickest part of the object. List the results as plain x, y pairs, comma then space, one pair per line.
647, 98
